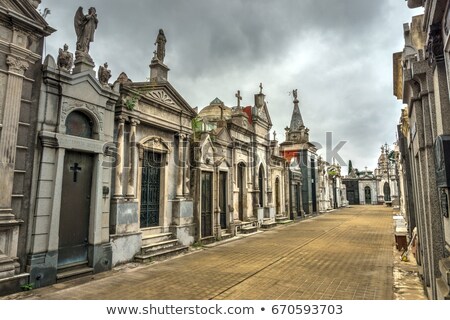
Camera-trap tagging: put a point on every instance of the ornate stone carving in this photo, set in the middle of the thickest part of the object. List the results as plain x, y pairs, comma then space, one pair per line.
161, 96
85, 26
71, 105
155, 143
435, 46
17, 65
104, 74
65, 59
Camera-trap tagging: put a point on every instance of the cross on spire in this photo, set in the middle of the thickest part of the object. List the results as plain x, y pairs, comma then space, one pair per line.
239, 98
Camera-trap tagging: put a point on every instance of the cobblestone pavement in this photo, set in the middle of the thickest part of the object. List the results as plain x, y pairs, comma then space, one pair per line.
343, 254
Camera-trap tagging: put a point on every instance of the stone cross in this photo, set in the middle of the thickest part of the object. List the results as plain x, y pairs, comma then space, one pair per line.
75, 168
239, 98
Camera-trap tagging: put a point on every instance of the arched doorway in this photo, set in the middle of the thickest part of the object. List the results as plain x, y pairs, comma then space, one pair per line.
367, 195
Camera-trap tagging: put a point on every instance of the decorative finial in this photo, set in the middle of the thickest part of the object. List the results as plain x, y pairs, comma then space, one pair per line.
239, 98
260, 88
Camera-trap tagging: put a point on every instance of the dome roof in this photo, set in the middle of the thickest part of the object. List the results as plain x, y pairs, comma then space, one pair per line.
214, 111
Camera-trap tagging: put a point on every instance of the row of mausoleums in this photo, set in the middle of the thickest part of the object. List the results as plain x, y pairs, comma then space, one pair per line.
421, 81
97, 174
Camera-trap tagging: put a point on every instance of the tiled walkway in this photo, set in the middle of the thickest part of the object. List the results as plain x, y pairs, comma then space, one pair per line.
344, 254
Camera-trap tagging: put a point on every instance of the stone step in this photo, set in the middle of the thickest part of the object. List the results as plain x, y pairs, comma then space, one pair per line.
152, 247
285, 221
155, 238
268, 224
162, 254
249, 229
151, 231
281, 218
207, 240
71, 273
226, 236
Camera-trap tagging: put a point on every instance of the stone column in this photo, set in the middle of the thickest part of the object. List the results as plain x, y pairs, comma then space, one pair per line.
134, 158
180, 166
9, 130
118, 188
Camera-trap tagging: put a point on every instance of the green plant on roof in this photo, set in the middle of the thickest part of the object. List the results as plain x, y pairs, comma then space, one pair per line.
130, 103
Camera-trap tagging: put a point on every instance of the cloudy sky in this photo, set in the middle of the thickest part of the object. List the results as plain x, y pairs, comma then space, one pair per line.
337, 53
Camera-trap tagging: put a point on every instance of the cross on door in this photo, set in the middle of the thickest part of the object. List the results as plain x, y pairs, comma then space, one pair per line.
75, 168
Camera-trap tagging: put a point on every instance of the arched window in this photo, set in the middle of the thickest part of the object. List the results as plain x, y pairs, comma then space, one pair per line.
79, 124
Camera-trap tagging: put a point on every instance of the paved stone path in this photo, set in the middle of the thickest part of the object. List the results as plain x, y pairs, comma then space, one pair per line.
344, 254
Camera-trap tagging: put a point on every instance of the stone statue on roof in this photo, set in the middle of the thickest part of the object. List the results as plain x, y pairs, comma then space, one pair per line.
85, 26
160, 45
65, 59
294, 93
104, 74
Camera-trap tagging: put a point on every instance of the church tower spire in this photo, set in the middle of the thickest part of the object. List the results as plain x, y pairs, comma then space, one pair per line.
296, 120
297, 132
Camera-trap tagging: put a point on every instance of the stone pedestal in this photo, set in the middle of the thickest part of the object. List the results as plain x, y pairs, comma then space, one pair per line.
183, 226
82, 65
124, 216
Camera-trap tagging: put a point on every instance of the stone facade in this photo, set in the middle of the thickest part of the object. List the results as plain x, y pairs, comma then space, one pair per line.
151, 193
233, 145
301, 153
375, 187
22, 33
421, 77
72, 176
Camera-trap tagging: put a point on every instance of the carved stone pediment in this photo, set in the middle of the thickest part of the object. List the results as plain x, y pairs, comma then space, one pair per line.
161, 96
155, 143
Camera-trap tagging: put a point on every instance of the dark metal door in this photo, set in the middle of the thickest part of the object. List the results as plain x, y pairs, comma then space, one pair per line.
351, 197
298, 205
240, 178
223, 199
75, 208
368, 195
277, 196
206, 204
150, 186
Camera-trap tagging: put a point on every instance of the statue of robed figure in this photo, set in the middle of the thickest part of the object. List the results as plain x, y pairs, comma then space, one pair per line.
85, 26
